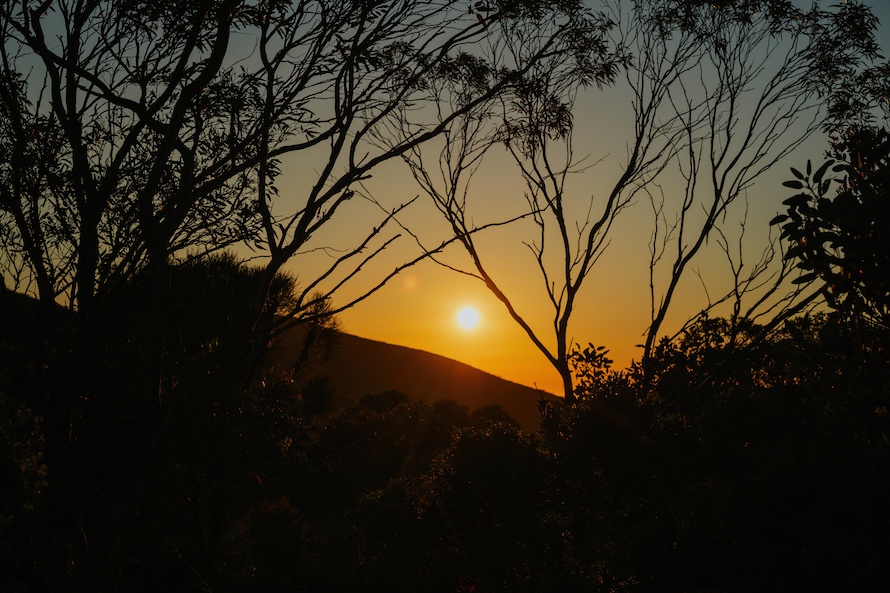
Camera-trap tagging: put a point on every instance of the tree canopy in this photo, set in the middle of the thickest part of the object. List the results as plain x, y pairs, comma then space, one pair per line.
837, 238
147, 439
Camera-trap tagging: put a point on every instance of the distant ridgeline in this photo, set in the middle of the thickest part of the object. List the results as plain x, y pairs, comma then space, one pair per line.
357, 367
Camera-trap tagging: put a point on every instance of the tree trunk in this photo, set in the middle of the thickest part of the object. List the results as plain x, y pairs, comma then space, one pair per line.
565, 373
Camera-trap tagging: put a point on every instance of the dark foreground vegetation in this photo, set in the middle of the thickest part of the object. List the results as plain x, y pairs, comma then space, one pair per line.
149, 443
740, 469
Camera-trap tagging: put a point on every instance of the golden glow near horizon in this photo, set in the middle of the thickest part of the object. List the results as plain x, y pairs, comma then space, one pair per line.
417, 308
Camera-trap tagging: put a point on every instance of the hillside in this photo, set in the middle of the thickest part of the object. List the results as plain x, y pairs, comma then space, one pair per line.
359, 366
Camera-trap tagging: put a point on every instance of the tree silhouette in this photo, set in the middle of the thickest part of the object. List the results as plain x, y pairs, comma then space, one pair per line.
712, 96
146, 444
837, 239
786, 436
137, 136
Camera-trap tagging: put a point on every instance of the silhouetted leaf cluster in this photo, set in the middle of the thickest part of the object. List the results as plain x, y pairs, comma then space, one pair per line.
749, 463
147, 441
838, 239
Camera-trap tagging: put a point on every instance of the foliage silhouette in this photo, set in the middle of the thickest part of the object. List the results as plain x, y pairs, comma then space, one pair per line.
146, 442
838, 239
690, 68
671, 488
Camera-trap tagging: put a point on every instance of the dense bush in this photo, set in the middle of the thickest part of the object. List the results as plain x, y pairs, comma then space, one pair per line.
744, 464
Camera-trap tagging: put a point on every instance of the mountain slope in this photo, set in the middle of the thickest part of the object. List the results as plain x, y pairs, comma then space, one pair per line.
359, 366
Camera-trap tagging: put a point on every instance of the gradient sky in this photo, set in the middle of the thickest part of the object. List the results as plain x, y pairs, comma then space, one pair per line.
419, 308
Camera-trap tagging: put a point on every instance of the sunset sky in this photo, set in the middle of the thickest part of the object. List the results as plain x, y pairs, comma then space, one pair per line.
419, 308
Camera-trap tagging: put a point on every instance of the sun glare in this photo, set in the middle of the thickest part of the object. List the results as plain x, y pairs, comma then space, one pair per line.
468, 318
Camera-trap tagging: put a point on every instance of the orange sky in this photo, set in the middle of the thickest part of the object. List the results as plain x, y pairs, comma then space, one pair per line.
419, 308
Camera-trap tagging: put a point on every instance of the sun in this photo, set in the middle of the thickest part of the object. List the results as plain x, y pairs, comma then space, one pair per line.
468, 318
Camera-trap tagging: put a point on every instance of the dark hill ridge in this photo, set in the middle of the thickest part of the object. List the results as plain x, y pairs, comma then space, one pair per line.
359, 366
